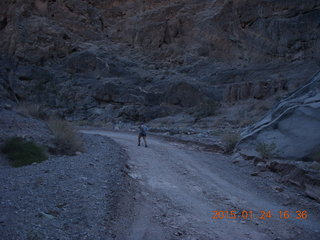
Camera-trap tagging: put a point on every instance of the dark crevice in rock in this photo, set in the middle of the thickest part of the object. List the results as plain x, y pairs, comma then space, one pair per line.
248, 23
3, 24
25, 78
69, 8
166, 36
101, 23
296, 14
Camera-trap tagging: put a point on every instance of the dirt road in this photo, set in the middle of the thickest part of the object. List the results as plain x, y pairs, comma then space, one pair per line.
179, 188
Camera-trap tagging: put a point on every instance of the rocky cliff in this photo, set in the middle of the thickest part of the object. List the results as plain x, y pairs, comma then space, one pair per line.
133, 60
292, 125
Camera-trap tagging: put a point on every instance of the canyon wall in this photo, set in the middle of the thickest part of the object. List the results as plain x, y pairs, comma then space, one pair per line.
120, 59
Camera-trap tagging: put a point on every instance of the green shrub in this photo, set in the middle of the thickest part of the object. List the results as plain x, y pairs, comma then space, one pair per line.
66, 139
266, 150
21, 152
230, 140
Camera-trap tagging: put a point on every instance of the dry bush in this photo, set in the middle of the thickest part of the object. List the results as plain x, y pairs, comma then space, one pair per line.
266, 150
31, 109
230, 140
67, 141
81, 123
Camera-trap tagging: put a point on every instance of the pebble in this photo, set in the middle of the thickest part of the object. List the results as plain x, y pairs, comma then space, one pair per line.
8, 106
178, 233
278, 189
48, 216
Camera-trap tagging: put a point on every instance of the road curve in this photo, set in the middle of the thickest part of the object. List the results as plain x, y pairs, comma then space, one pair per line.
180, 187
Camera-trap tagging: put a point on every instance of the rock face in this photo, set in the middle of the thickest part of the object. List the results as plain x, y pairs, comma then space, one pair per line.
145, 57
292, 125
234, 31
184, 95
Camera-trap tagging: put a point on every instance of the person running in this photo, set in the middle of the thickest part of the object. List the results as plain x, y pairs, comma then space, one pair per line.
143, 134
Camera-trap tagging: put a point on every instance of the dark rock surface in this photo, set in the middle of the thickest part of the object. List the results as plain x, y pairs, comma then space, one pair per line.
65, 53
235, 31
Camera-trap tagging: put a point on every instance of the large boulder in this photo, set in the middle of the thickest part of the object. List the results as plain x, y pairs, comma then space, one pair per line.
292, 125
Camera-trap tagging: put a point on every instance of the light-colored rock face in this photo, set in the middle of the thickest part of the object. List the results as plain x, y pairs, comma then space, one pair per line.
292, 125
61, 51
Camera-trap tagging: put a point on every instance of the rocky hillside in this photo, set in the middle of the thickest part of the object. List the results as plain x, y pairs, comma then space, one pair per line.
133, 60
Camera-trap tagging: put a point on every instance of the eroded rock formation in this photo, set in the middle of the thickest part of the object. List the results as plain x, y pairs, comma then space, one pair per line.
292, 125
62, 51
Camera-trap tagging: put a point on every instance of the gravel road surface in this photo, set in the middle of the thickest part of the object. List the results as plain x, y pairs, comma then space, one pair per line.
179, 187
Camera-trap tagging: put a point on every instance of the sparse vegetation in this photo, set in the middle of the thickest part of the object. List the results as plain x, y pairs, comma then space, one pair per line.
82, 123
32, 110
21, 152
66, 140
230, 140
33, 235
98, 124
266, 150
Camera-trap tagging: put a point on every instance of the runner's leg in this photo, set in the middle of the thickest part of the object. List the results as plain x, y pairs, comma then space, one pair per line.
139, 139
145, 141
